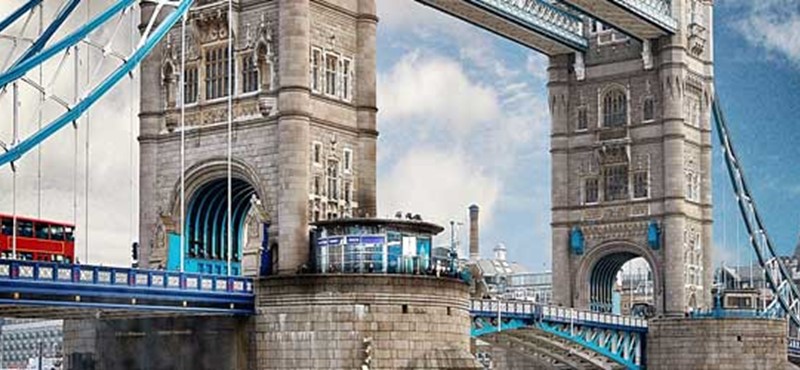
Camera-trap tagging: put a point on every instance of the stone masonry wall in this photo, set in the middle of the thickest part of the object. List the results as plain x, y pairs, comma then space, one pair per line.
731, 343
322, 322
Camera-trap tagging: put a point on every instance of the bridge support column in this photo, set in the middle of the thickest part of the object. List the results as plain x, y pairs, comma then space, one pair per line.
725, 343
327, 322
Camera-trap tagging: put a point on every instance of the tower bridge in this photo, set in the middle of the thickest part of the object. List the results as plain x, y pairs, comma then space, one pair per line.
258, 118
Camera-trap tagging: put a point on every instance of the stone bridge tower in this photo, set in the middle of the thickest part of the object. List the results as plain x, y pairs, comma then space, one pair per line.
304, 131
631, 163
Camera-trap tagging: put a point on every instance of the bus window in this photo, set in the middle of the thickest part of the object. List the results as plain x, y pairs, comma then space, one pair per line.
70, 233
42, 231
25, 229
57, 232
8, 226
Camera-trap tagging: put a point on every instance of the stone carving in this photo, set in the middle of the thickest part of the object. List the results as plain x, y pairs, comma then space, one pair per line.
632, 231
615, 213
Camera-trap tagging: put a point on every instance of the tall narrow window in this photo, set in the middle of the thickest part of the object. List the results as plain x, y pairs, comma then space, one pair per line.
692, 108
250, 78
347, 79
583, 121
333, 180
347, 191
317, 185
317, 153
331, 74
615, 109
217, 72
348, 160
316, 70
641, 186
190, 85
692, 186
649, 113
591, 191
616, 182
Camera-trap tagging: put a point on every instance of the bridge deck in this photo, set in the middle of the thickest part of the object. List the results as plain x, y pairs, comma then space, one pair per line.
49, 290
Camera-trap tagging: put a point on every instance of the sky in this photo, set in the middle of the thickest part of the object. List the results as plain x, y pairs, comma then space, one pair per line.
463, 120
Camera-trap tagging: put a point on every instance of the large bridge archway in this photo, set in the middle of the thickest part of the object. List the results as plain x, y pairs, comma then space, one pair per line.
205, 225
599, 277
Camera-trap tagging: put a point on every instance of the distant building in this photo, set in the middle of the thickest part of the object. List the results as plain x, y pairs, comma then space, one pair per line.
511, 280
20, 341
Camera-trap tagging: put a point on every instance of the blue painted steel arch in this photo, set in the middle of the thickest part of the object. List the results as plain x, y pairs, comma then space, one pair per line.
206, 227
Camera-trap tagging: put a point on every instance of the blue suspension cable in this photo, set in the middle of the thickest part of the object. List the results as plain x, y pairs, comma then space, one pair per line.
20, 70
48, 33
32, 141
18, 13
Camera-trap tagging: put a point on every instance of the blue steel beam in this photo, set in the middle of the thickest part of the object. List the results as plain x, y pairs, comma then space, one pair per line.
48, 33
18, 13
34, 140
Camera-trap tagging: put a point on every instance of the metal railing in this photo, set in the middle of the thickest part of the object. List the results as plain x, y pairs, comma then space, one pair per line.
659, 10
554, 313
122, 277
551, 19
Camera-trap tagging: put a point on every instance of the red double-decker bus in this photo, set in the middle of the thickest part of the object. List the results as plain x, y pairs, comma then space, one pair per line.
37, 240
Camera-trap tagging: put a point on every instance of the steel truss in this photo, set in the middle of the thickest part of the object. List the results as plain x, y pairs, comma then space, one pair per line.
38, 54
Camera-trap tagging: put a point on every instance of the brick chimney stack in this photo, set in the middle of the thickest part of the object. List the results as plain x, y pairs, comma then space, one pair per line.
474, 248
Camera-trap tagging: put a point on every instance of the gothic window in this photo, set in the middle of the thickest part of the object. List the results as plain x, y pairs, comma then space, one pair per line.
217, 72
347, 79
190, 85
331, 74
316, 154
347, 191
641, 186
333, 180
316, 70
250, 78
692, 186
615, 109
616, 182
649, 110
591, 191
692, 108
583, 121
317, 185
348, 160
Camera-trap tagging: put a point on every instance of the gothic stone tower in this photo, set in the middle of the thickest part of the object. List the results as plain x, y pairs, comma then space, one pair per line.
304, 132
631, 152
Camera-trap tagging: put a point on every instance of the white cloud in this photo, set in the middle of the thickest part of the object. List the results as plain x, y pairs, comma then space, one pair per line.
773, 25
433, 88
437, 183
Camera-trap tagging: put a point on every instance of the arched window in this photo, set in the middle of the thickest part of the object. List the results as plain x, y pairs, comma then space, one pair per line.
615, 109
